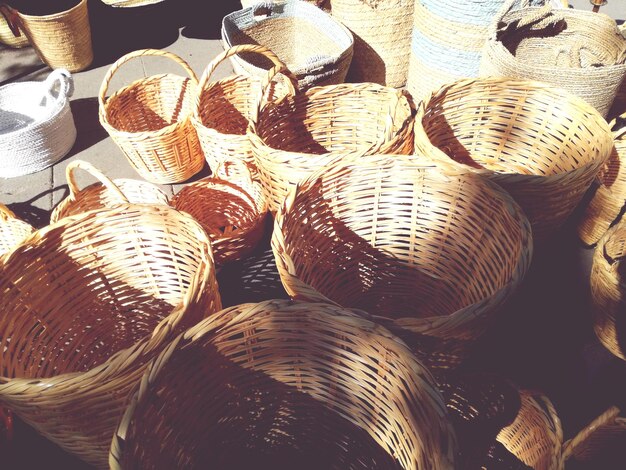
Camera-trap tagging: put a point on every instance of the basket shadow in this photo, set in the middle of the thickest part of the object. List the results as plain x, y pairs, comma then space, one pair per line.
36, 216
369, 67
203, 20
88, 129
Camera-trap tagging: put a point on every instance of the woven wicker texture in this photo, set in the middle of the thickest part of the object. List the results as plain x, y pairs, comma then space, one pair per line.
608, 288
540, 143
61, 40
314, 46
286, 385
223, 109
150, 121
249, 3
6, 34
536, 436
12, 230
308, 130
382, 38
36, 124
231, 208
579, 51
437, 251
104, 193
85, 303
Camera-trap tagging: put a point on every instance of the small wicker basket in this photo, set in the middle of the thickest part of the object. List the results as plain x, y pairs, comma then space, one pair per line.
285, 385
13, 231
105, 193
541, 144
150, 120
85, 304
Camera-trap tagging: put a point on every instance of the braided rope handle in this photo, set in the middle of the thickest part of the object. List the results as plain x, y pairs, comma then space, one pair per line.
93, 171
65, 81
292, 88
136, 54
605, 418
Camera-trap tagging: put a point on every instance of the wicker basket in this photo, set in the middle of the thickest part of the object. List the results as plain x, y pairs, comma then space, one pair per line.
536, 436
286, 385
230, 207
105, 193
7, 36
316, 48
438, 252
223, 109
580, 51
382, 38
13, 231
36, 124
85, 304
308, 130
150, 121
540, 143
62, 39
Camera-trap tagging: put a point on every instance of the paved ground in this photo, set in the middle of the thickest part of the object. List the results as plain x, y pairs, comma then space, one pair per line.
535, 342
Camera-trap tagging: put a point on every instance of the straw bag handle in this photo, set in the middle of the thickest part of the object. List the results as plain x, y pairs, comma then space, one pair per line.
605, 418
12, 18
542, 18
292, 87
133, 55
93, 171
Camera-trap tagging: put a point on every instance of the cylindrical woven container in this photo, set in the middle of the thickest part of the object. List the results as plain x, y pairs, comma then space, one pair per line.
85, 304
231, 208
608, 290
316, 47
308, 130
223, 109
580, 51
61, 39
36, 124
150, 120
382, 38
104, 193
13, 231
540, 143
286, 385
437, 251
536, 436
7, 36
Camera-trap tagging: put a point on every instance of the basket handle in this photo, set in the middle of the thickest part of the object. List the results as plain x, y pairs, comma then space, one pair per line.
615, 245
93, 171
224, 170
541, 18
6, 213
12, 18
292, 87
133, 55
63, 79
605, 418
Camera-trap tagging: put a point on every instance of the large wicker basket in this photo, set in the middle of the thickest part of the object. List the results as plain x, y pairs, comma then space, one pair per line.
150, 120
85, 304
307, 130
437, 251
12, 230
286, 385
541, 144
105, 193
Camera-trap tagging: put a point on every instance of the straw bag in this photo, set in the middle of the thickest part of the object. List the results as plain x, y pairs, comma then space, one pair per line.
12, 230
382, 38
7, 36
541, 144
61, 39
435, 250
223, 109
580, 51
105, 193
313, 45
306, 131
150, 121
230, 207
85, 304
36, 124
285, 385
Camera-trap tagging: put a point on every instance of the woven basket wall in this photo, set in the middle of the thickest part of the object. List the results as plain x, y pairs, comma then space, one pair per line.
12, 230
7, 37
286, 385
85, 304
541, 144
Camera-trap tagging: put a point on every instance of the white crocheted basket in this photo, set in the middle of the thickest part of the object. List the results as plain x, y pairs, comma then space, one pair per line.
36, 124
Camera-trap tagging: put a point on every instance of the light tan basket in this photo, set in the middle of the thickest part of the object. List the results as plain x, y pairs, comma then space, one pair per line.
437, 251
231, 208
61, 40
223, 109
105, 193
12, 230
150, 120
286, 385
307, 130
541, 144
7, 36
85, 304
536, 436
